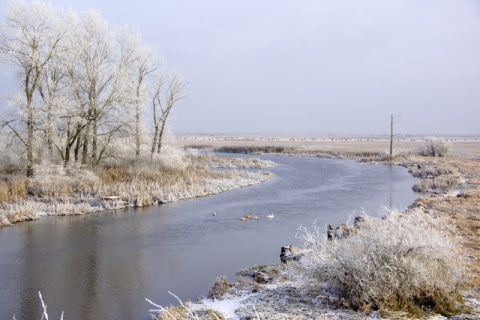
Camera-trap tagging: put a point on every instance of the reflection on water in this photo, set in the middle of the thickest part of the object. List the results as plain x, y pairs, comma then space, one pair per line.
102, 266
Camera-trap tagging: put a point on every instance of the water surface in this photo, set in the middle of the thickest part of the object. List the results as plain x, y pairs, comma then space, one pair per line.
102, 266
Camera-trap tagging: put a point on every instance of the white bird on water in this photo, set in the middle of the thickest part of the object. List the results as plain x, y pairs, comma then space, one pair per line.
270, 216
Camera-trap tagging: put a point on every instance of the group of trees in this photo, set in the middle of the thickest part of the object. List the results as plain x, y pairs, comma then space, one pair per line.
84, 84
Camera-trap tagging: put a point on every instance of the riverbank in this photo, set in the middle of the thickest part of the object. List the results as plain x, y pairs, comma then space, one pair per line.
75, 190
276, 292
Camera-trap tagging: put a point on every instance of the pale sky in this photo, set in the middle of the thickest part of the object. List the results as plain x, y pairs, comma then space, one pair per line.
314, 66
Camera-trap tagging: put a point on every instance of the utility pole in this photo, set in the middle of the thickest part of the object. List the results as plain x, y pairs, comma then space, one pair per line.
391, 137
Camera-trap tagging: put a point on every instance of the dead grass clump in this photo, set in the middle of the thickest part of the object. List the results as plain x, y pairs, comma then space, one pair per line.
181, 313
402, 262
218, 288
148, 186
114, 174
52, 180
437, 183
466, 202
73, 189
462, 212
173, 313
141, 200
468, 227
229, 162
185, 311
13, 188
430, 171
17, 212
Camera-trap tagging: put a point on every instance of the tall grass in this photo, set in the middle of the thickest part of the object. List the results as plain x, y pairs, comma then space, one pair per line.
61, 190
441, 183
224, 162
149, 187
185, 312
53, 180
404, 261
13, 188
435, 177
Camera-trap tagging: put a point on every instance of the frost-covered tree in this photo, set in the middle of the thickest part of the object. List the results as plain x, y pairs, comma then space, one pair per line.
97, 77
85, 83
140, 64
168, 91
30, 37
145, 66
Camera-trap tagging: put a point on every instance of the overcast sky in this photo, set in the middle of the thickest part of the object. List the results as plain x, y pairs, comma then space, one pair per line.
312, 66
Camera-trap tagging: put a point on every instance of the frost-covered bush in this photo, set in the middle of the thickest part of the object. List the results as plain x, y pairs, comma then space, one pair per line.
58, 180
403, 261
433, 148
170, 158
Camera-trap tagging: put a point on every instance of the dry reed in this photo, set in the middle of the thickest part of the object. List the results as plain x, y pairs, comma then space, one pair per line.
402, 262
60, 190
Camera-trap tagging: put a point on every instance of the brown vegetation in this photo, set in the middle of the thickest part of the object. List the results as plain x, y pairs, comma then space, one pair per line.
453, 180
465, 147
461, 208
219, 288
60, 190
405, 261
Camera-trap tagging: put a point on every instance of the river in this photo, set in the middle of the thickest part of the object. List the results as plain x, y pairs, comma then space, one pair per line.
102, 266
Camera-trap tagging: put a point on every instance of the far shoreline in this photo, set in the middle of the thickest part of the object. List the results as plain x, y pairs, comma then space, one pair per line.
452, 183
460, 146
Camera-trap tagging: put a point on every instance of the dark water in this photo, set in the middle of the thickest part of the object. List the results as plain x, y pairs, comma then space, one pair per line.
102, 266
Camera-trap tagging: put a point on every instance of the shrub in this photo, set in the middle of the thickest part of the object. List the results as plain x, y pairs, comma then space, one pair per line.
402, 262
219, 288
433, 148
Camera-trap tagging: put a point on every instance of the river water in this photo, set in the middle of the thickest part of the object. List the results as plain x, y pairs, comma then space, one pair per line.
102, 266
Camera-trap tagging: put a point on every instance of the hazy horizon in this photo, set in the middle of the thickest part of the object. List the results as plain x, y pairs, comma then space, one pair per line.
327, 135
313, 67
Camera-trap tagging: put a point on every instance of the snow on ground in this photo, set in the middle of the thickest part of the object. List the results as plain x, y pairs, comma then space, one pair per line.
286, 297
225, 307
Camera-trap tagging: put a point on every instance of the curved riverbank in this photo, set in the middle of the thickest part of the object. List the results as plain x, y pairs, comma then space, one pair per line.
56, 190
122, 256
454, 184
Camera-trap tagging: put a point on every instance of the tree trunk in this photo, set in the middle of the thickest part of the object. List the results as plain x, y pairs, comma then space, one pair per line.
137, 118
137, 132
30, 137
76, 150
30, 116
86, 138
94, 142
154, 140
49, 131
160, 134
